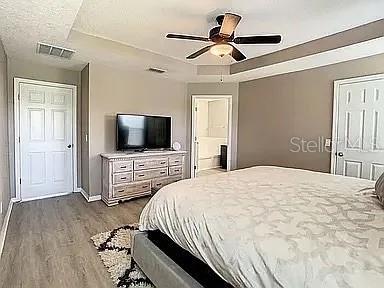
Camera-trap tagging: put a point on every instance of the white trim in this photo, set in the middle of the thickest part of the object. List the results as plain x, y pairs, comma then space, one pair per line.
193, 131
85, 195
94, 198
89, 199
16, 110
335, 121
4, 228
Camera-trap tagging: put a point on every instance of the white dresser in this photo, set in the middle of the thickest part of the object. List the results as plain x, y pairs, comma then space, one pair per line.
131, 175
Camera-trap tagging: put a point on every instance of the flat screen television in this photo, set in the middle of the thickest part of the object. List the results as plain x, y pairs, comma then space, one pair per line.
139, 132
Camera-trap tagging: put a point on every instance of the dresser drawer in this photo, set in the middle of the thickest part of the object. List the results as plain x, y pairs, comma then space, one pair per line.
175, 160
122, 177
175, 170
159, 183
148, 174
150, 163
122, 166
174, 179
131, 189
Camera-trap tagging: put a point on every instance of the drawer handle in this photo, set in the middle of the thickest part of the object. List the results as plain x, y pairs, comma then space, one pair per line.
162, 162
141, 165
123, 167
120, 191
162, 172
176, 161
141, 175
146, 186
159, 184
123, 178
177, 170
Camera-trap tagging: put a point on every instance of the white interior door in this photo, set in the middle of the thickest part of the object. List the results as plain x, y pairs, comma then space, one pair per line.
46, 143
196, 145
360, 132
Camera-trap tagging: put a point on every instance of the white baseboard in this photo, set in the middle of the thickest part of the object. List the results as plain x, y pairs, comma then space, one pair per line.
90, 198
94, 198
4, 228
15, 200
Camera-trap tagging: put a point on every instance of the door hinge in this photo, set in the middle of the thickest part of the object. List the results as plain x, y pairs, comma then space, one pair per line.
18, 96
195, 167
19, 140
196, 109
20, 180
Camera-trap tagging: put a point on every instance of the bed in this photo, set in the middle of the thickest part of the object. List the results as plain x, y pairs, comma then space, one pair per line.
276, 227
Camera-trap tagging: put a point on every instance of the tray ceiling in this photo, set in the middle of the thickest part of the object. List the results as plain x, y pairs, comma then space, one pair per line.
131, 34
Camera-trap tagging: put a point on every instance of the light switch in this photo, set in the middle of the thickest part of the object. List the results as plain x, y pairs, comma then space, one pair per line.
328, 142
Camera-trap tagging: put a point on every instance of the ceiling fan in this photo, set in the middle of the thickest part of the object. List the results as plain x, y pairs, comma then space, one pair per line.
223, 35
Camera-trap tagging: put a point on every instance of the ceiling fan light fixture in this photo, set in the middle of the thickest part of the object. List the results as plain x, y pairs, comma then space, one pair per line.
221, 49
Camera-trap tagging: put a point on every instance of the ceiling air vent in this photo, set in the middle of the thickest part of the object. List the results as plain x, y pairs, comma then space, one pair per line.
157, 70
51, 50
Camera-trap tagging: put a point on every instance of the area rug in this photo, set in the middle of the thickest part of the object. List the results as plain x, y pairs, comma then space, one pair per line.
114, 248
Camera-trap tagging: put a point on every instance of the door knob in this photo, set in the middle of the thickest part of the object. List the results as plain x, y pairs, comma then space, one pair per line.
340, 154
69, 146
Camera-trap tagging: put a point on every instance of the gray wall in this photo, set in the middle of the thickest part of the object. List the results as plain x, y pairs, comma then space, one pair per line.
215, 89
4, 155
30, 70
113, 91
273, 110
84, 151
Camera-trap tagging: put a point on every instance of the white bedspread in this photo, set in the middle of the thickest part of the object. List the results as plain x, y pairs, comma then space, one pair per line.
276, 227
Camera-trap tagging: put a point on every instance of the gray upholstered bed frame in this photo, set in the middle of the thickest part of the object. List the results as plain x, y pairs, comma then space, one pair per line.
159, 268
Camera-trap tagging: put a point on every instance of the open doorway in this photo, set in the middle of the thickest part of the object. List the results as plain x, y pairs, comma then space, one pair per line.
211, 130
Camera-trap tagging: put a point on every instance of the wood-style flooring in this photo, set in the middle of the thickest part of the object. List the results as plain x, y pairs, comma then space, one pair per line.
48, 242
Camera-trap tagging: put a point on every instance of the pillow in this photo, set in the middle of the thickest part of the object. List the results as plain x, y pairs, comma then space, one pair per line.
379, 188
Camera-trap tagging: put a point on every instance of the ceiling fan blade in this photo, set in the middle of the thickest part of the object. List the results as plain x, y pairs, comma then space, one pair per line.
200, 52
237, 55
268, 39
187, 37
229, 25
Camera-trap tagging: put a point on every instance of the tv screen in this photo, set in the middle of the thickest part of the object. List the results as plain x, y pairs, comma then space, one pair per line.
143, 132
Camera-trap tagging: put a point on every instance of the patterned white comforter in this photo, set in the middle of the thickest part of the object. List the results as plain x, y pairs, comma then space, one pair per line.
276, 227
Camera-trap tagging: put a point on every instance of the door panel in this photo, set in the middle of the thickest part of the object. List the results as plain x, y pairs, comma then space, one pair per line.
360, 139
36, 119
45, 136
36, 167
58, 120
377, 171
353, 168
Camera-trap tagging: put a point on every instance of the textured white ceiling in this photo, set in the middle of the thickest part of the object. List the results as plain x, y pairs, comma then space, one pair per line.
131, 34
144, 24
23, 23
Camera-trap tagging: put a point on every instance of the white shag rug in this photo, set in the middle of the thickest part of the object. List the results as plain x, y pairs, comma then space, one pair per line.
114, 248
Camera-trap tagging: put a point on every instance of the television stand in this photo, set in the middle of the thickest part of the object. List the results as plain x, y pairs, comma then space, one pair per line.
128, 176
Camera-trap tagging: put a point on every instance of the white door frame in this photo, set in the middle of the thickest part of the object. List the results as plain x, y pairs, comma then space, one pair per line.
335, 123
229, 132
16, 111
